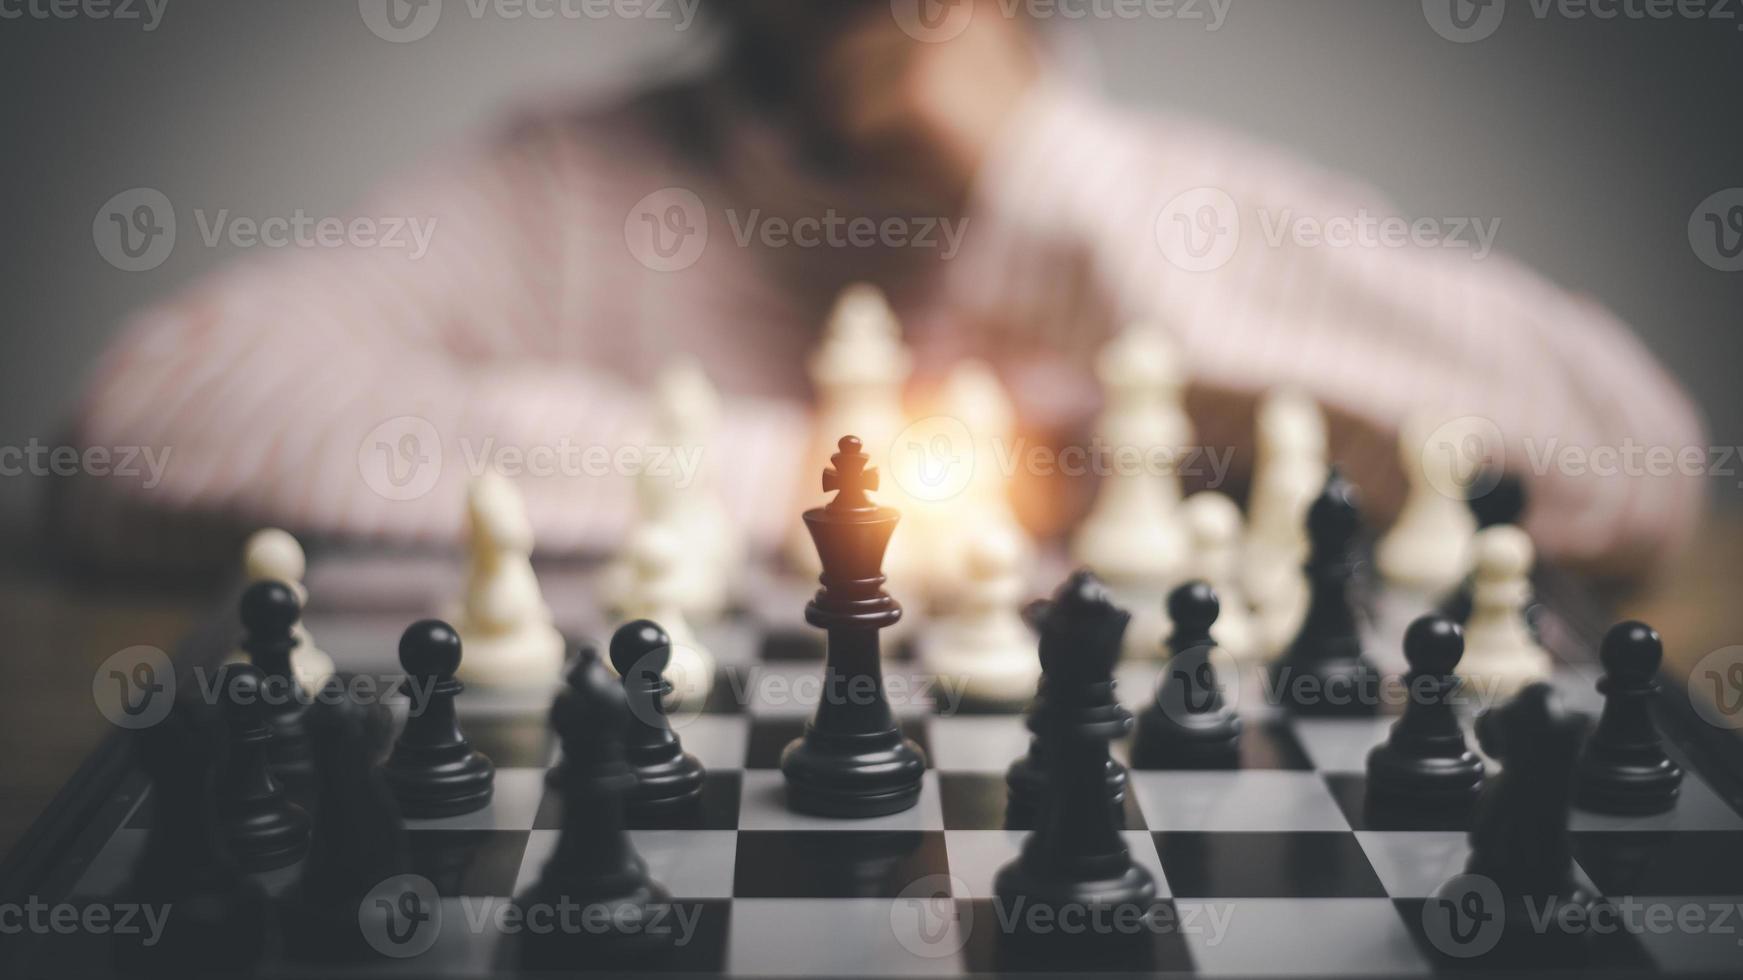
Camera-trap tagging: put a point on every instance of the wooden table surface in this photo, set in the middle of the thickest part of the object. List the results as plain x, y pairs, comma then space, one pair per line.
56, 633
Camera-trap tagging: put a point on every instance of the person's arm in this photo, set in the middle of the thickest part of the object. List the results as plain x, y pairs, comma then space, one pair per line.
1066, 210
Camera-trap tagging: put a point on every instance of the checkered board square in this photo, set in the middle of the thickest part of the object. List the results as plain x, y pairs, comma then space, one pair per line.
1272, 868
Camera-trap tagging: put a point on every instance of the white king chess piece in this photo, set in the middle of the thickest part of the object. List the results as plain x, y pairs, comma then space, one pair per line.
1428, 549
508, 631
272, 554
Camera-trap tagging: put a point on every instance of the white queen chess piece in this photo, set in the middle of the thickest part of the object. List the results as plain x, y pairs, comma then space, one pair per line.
508, 631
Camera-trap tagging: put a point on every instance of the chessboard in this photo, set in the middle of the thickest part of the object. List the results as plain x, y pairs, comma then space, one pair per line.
1272, 868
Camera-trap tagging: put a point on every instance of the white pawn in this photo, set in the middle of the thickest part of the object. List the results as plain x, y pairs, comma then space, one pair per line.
1501, 656
273, 554
686, 409
1132, 537
655, 557
509, 634
1428, 549
983, 645
1214, 522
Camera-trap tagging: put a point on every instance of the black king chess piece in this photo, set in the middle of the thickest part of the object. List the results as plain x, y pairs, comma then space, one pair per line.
852, 760
1324, 671
434, 771
1424, 764
668, 779
1188, 726
270, 611
1076, 859
1624, 769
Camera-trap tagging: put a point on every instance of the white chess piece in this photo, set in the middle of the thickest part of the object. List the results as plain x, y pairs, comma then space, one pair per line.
1428, 549
1132, 537
507, 631
654, 561
983, 645
273, 554
687, 407
1214, 522
1501, 656
858, 371
1290, 471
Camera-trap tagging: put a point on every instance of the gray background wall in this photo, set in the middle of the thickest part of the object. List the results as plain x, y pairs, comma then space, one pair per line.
1591, 140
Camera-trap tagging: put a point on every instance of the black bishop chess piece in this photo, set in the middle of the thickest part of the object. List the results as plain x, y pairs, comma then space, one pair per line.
1425, 765
594, 870
1624, 769
852, 760
270, 612
1188, 725
434, 771
668, 779
1076, 859
1519, 832
1026, 779
261, 826
1324, 671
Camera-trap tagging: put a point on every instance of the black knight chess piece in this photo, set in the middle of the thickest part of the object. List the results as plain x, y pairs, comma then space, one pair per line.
1188, 725
595, 868
668, 779
262, 828
270, 612
1324, 671
434, 771
852, 760
1425, 764
1624, 769
1076, 859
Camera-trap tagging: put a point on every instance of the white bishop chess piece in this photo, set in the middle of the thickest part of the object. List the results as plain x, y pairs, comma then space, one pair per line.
1428, 549
1290, 471
273, 554
983, 645
1501, 656
509, 634
650, 588
1214, 522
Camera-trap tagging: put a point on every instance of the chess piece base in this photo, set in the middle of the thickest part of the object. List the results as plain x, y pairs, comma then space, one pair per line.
668, 786
529, 659
1442, 784
1628, 790
1211, 740
1027, 783
852, 776
1343, 687
462, 785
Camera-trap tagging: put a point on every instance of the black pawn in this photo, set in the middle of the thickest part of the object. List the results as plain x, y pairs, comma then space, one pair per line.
1026, 779
270, 612
434, 771
1324, 671
1425, 764
1188, 726
1624, 769
594, 866
261, 827
1076, 858
667, 778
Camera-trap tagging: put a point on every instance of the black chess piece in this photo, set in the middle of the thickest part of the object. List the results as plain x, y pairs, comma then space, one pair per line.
1519, 832
852, 760
1624, 769
359, 840
668, 779
262, 828
270, 612
434, 771
218, 922
1026, 779
1324, 671
595, 867
1425, 764
1077, 859
1188, 725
